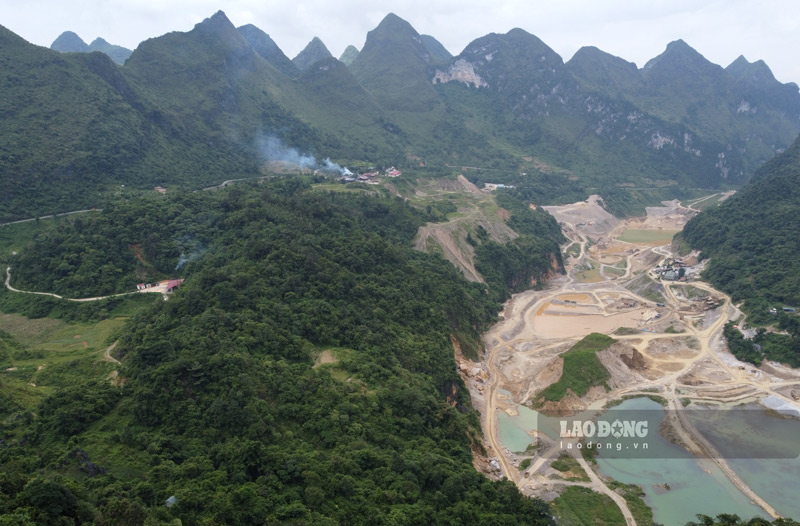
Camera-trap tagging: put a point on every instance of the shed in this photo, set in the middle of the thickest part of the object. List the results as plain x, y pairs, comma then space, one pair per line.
173, 284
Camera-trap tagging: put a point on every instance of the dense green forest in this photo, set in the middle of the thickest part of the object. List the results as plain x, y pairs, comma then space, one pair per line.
751, 240
302, 374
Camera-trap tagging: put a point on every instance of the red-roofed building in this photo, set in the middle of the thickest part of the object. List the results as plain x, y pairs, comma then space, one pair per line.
173, 284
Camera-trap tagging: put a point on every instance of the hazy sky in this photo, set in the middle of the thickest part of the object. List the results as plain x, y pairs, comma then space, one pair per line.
635, 30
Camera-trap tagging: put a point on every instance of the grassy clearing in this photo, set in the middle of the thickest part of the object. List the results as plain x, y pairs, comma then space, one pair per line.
50, 354
58, 336
582, 368
589, 276
634, 497
648, 237
579, 506
614, 271
644, 286
574, 250
41, 355
589, 272
570, 468
356, 188
690, 292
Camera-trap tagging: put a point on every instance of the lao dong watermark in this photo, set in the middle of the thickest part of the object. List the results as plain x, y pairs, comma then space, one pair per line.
604, 435
742, 432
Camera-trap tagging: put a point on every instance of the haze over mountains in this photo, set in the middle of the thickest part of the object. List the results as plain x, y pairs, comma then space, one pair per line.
69, 42
190, 109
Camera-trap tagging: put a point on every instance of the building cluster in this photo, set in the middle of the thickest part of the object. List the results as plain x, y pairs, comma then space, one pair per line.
164, 287
494, 186
709, 302
673, 269
369, 177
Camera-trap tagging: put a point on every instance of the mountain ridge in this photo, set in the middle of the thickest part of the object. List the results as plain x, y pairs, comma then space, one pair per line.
311, 54
267, 48
505, 98
70, 42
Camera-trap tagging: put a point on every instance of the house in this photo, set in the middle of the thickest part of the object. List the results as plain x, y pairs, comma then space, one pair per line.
173, 284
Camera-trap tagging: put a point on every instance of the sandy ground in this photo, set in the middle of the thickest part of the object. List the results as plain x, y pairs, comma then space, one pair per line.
523, 350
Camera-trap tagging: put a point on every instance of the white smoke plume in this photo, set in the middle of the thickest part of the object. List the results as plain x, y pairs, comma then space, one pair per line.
273, 149
193, 254
331, 166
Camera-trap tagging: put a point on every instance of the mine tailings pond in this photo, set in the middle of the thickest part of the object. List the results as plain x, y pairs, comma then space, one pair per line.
762, 446
696, 485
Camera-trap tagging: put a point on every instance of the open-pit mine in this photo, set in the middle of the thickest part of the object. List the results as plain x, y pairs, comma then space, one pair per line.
668, 347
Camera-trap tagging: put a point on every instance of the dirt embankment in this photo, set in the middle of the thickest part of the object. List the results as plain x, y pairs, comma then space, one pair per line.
476, 210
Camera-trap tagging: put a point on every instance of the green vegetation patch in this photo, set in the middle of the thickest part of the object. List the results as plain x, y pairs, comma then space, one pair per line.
582, 368
634, 497
614, 270
578, 506
655, 398
591, 275
574, 250
644, 286
783, 348
568, 465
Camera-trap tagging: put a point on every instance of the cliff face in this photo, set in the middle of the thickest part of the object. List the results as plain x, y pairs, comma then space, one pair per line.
461, 71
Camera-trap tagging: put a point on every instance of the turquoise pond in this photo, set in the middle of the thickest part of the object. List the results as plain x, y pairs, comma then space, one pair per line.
696, 485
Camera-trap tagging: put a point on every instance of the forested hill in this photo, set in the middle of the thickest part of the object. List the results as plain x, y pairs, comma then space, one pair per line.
303, 374
753, 244
752, 237
191, 109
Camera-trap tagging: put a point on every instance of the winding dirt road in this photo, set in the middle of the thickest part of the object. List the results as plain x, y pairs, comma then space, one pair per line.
96, 298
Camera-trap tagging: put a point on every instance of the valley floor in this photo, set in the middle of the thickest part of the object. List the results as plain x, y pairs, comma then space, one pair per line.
669, 345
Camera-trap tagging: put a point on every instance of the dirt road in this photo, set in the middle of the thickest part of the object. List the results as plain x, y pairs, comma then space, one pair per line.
515, 345
96, 298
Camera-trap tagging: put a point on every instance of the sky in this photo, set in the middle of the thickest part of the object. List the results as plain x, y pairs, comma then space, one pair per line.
636, 30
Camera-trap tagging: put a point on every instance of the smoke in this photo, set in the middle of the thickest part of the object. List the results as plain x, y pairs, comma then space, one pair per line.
331, 166
184, 259
273, 149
